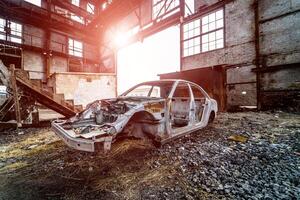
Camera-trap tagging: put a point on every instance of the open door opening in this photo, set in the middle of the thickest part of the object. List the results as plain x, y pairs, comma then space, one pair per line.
143, 61
180, 109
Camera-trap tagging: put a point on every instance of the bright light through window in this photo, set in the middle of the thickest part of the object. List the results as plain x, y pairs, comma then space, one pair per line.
121, 38
204, 34
77, 18
75, 48
76, 2
141, 62
189, 7
15, 33
2, 30
90, 8
161, 7
35, 2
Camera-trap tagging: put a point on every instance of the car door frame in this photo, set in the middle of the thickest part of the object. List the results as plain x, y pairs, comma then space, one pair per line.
171, 131
206, 110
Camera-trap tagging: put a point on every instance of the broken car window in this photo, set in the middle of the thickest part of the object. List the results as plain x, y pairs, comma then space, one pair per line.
151, 89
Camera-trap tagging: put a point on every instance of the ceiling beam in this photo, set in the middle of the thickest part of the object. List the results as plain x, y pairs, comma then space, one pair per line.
114, 12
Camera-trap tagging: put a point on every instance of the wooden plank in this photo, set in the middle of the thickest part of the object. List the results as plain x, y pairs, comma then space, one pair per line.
15, 94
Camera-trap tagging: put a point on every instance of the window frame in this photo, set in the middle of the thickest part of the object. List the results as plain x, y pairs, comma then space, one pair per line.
73, 49
90, 8
165, 9
193, 86
13, 35
3, 32
74, 2
179, 85
183, 40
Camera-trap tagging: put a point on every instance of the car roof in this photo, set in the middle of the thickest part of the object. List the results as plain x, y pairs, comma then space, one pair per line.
166, 80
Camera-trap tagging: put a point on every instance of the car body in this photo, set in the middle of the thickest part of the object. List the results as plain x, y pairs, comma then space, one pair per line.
161, 110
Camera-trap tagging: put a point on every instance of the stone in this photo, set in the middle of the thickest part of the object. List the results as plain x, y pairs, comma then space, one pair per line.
238, 138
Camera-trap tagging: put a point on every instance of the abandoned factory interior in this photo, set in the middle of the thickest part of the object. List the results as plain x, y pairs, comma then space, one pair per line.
149, 99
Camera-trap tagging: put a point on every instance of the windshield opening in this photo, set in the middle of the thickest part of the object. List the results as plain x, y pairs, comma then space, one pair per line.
151, 89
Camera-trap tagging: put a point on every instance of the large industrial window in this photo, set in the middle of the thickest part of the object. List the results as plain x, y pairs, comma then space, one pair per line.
75, 48
77, 18
2, 29
161, 7
204, 34
76, 2
15, 33
10, 31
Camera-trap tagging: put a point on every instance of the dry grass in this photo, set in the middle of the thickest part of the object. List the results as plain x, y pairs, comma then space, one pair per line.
13, 167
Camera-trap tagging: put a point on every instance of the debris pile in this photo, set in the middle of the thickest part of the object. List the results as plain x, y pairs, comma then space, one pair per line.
241, 156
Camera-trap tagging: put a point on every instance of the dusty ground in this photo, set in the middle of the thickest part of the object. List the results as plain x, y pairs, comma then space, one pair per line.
204, 165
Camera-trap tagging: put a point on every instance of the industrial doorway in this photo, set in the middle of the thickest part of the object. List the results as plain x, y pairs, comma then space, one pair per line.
143, 61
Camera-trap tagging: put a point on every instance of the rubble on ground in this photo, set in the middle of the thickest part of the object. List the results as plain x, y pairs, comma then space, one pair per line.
251, 155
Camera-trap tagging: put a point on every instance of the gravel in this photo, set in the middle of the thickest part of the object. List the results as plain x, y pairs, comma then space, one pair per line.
265, 167
249, 155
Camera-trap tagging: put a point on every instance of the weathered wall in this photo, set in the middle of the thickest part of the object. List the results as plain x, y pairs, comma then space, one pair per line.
34, 64
241, 86
280, 49
280, 31
279, 42
58, 42
239, 39
287, 79
239, 51
90, 52
85, 88
58, 64
33, 36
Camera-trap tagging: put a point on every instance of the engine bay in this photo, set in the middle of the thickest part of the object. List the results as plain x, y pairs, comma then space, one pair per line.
98, 117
